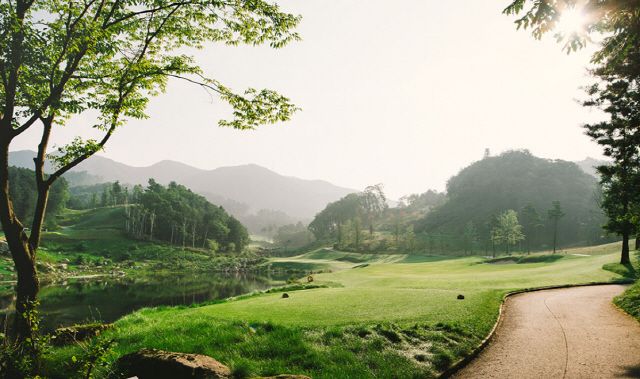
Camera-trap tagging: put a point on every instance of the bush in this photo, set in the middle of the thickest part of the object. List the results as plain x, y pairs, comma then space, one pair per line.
629, 300
82, 246
80, 260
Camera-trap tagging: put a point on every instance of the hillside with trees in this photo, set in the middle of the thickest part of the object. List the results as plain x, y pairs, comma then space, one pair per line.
177, 215
519, 181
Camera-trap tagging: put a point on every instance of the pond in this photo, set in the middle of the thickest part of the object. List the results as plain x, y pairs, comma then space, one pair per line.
106, 299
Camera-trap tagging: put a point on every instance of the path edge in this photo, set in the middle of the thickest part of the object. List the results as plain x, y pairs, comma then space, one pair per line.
466, 360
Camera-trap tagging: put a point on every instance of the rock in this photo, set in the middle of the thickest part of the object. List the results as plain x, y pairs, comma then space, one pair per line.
158, 364
287, 377
10, 269
460, 297
62, 266
83, 267
65, 336
285, 295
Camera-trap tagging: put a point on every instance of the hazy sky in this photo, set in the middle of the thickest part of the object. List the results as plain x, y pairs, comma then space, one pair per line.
402, 93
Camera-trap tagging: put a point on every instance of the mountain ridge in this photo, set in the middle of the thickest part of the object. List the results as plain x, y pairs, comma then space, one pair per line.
251, 184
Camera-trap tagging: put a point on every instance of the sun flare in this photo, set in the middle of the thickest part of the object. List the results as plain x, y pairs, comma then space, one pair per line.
572, 21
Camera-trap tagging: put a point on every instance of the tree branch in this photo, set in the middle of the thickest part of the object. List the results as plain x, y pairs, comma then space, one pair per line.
146, 11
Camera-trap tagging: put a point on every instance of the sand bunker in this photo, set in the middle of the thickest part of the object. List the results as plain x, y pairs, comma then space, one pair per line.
505, 262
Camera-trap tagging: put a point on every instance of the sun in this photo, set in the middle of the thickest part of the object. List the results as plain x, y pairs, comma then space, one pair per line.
572, 21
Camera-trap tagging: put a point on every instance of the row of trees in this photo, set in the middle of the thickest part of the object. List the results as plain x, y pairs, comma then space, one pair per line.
506, 229
103, 195
179, 216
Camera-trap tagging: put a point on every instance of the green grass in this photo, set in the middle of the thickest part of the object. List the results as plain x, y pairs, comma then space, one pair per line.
629, 301
103, 218
398, 317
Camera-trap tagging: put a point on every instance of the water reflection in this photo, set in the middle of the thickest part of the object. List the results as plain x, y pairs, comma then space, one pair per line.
107, 298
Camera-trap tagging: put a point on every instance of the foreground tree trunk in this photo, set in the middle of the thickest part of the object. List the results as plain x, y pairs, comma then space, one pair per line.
23, 249
624, 256
626, 233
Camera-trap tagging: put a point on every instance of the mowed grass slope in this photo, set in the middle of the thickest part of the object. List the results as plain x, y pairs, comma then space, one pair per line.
390, 316
390, 291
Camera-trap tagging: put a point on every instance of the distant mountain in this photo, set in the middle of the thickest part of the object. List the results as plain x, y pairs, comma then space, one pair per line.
264, 189
256, 186
24, 158
588, 165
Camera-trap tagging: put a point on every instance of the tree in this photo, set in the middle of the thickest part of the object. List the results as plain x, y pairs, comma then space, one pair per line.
619, 20
469, 235
555, 213
493, 225
532, 221
373, 203
60, 59
508, 229
409, 239
618, 95
356, 229
94, 200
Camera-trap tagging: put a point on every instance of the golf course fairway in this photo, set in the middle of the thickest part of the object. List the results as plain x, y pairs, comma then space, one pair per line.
374, 316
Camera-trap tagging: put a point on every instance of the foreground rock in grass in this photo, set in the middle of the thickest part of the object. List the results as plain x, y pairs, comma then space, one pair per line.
65, 336
158, 364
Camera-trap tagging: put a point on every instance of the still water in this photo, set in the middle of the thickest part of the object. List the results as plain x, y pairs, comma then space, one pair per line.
106, 298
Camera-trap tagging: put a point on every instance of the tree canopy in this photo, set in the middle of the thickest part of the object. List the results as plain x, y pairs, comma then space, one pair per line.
618, 20
507, 229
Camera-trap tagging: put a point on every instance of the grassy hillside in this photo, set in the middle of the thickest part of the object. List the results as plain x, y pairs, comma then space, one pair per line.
380, 316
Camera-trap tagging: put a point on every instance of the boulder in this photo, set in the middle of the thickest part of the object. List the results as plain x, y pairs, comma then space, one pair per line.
158, 364
65, 336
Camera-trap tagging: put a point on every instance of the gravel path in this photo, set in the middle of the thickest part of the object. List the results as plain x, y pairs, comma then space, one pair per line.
565, 333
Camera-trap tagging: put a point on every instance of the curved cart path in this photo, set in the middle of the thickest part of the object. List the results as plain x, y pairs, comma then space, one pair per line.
564, 333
